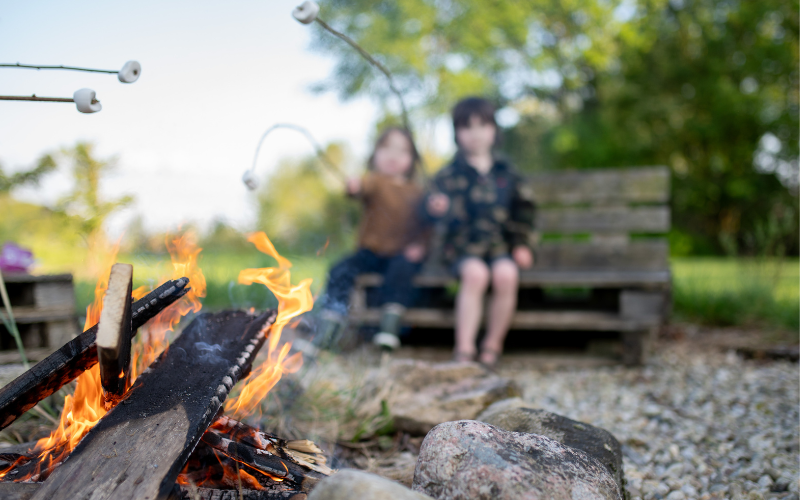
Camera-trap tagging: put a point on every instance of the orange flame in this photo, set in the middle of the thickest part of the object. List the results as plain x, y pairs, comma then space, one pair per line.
151, 341
292, 301
84, 408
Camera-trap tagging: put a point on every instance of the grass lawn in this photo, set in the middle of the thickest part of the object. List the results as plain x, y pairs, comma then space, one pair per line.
712, 291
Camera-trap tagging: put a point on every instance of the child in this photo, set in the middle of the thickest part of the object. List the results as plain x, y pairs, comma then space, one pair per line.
388, 239
488, 226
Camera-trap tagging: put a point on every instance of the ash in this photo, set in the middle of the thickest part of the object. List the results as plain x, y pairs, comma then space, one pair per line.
692, 424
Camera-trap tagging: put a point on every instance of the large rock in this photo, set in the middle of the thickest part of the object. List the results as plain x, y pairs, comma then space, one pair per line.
350, 484
475, 460
518, 416
425, 394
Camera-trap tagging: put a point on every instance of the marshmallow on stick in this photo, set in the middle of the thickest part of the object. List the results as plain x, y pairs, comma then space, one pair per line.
306, 12
130, 72
86, 102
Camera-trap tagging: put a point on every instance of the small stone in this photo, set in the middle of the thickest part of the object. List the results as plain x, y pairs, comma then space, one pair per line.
674, 470
348, 484
676, 495
765, 481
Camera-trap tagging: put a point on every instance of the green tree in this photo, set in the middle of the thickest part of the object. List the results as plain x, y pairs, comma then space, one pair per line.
85, 200
708, 87
44, 166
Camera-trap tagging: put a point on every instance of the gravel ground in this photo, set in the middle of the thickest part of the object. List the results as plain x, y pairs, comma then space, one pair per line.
694, 423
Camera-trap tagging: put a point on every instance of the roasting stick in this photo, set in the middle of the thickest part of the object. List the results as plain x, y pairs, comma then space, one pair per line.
114, 335
76, 356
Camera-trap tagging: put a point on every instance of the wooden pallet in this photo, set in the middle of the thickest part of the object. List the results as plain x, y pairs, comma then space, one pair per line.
44, 309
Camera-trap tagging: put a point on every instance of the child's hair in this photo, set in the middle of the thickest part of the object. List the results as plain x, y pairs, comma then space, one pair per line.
415, 158
474, 106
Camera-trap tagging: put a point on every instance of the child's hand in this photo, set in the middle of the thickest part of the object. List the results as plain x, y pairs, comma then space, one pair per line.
522, 256
353, 186
414, 252
438, 204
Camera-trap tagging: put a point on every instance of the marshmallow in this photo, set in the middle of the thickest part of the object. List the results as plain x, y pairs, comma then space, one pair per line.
130, 72
250, 180
84, 101
306, 12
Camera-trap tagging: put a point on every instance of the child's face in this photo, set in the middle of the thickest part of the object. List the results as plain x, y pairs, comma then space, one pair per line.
477, 138
394, 157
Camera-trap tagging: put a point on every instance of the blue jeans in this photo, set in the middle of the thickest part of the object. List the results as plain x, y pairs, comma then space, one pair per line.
397, 272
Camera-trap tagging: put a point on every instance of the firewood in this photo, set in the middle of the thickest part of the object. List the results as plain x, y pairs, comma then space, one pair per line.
264, 461
79, 354
114, 335
140, 446
303, 452
189, 493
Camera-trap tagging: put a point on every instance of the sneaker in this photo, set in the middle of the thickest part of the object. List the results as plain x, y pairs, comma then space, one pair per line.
386, 341
329, 330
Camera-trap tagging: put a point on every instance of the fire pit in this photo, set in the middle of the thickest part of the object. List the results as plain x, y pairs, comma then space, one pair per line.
164, 432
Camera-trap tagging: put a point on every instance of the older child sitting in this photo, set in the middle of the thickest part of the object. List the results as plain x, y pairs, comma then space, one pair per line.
488, 213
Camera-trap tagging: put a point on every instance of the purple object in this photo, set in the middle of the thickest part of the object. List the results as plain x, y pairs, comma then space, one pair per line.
15, 259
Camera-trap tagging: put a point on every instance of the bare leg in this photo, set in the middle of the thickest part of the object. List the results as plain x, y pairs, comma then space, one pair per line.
505, 281
469, 304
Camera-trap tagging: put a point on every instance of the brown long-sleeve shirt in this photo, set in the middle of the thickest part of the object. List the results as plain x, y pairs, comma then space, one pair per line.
389, 222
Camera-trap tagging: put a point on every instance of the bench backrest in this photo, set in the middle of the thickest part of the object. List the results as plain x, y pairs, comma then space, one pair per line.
602, 219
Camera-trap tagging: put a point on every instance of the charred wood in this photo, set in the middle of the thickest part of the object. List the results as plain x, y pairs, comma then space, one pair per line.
138, 448
189, 493
76, 356
114, 335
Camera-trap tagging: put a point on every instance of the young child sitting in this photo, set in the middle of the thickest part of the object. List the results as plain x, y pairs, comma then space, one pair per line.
489, 220
389, 239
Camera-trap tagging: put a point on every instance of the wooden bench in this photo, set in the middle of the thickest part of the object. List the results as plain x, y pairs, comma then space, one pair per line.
601, 262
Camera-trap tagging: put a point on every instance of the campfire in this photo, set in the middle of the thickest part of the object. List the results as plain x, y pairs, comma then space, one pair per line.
149, 419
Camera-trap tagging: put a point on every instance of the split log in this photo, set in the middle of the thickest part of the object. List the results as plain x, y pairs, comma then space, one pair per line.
263, 461
189, 493
302, 452
76, 356
114, 335
138, 448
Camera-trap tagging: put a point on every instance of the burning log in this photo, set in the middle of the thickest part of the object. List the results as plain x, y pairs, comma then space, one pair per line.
263, 461
138, 448
114, 335
76, 356
188, 493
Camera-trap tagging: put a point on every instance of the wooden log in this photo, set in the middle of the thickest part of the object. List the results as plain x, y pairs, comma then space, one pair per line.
189, 493
302, 452
137, 450
114, 335
76, 356
263, 461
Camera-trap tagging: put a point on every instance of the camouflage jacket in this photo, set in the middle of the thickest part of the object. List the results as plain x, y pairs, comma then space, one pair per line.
489, 214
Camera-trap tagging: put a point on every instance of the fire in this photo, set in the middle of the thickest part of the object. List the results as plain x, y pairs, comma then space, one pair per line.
84, 408
151, 341
292, 301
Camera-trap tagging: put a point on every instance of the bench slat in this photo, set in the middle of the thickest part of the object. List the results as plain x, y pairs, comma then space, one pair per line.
523, 320
623, 219
645, 279
602, 186
638, 255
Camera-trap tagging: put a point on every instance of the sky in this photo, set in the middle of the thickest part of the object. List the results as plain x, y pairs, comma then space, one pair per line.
214, 77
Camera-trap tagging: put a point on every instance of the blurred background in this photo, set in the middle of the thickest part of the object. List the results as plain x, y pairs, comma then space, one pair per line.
706, 87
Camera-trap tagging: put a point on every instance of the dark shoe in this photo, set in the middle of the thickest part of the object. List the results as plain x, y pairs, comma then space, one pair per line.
329, 330
493, 357
387, 338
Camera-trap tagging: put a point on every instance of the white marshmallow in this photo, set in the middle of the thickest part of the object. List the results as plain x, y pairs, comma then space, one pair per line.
306, 12
250, 180
83, 100
130, 72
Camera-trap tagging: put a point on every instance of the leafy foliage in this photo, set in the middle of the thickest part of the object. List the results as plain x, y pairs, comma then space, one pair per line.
45, 165
708, 87
85, 201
